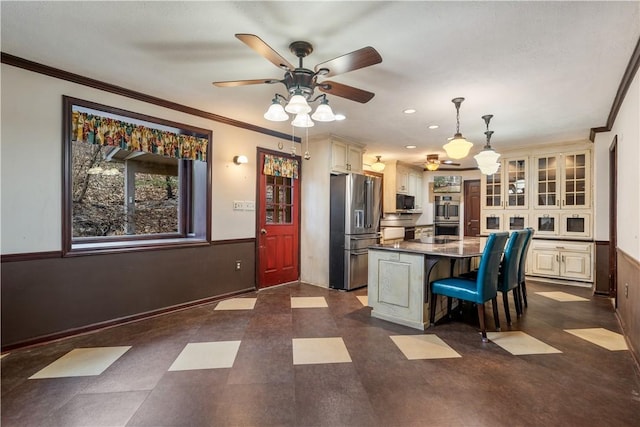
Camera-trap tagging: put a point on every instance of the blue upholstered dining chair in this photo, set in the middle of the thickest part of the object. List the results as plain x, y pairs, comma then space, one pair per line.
479, 290
509, 278
523, 261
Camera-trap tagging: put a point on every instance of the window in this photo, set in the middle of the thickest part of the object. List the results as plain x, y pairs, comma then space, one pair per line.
132, 181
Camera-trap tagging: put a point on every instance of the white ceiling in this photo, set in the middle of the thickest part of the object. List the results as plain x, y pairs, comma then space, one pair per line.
547, 71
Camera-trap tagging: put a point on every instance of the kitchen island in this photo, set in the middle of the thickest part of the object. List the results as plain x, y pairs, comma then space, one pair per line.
399, 276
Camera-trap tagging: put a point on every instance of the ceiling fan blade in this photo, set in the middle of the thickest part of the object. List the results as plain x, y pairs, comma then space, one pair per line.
233, 83
351, 61
344, 91
449, 162
257, 44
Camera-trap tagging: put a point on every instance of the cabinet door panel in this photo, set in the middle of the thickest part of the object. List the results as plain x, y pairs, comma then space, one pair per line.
575, 265
516, 181
545, 262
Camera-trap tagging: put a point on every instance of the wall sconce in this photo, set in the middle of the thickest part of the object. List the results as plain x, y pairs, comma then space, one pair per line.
238, 160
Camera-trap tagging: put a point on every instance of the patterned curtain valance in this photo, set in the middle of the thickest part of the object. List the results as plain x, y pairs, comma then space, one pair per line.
280, 166
99, 130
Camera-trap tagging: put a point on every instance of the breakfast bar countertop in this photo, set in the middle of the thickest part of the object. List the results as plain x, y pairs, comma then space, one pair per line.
448, 246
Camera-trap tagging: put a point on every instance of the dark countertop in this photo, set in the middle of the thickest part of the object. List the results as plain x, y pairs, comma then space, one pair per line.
448, 246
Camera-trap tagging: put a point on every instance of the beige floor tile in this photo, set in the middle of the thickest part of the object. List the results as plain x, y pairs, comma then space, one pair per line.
236, 304
363, 299
602, 337
206, 355
518, 343
308, 302
81, 362
562, 296
309, 351
423, 347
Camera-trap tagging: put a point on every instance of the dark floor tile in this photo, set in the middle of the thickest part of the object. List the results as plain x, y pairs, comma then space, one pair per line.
313, 323
266, 325
96, 410
263, 361
257, 405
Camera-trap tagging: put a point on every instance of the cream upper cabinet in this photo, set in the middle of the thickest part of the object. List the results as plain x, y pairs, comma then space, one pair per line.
509, 187
418, 189
402, 180
562, 181
346, 157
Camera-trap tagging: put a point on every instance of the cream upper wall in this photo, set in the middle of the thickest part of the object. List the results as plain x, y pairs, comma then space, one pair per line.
31, 150
627, 128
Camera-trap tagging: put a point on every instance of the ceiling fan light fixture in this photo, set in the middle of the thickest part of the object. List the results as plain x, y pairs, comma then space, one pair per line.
432, 166
323, 113
297, 105
302, 121
458, 147
378, 166
276, 112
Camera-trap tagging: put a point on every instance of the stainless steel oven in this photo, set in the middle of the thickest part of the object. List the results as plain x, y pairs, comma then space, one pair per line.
447, 208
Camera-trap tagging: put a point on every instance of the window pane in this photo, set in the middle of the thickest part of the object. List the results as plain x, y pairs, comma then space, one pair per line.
156, 204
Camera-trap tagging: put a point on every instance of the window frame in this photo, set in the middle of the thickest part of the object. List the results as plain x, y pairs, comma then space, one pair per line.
194, 228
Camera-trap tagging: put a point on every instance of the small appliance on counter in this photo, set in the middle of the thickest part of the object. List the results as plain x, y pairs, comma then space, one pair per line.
355, 210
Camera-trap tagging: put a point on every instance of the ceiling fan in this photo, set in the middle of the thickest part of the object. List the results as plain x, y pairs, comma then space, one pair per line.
303, 81
433, 162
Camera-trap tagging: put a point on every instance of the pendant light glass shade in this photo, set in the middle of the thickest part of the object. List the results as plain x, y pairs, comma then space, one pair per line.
276, 113
297, 105
487, 159
302, 121
323, 113
378, 166
458, 147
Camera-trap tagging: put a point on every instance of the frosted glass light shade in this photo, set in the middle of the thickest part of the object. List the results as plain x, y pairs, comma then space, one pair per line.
323, 113
297, 105
489, 169
486, 158
432, 166
378, 166
302, 121
276, 113
458, 147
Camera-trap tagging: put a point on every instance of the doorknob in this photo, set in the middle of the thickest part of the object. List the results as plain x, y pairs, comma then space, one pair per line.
263, 231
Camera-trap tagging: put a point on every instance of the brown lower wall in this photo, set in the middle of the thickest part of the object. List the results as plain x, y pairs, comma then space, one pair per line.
45, 297
628, 297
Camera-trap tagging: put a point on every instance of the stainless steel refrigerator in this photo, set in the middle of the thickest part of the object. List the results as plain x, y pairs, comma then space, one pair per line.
354, 221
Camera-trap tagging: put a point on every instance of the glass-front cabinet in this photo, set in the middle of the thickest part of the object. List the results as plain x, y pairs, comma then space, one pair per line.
508, 188
562, 181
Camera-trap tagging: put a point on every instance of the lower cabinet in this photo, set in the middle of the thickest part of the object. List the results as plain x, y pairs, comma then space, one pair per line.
561, 260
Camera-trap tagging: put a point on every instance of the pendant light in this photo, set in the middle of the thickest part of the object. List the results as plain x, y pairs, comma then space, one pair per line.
487, 159
378, 166
458, 147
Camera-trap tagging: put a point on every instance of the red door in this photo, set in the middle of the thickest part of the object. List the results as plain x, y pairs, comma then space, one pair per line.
278, 231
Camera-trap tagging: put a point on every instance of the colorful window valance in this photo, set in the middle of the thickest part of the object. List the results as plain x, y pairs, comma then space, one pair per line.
107, 131
280, 166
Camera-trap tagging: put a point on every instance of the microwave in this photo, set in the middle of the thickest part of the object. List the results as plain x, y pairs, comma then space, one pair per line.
405, 202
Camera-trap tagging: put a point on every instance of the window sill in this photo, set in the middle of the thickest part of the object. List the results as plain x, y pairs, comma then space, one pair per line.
81, 249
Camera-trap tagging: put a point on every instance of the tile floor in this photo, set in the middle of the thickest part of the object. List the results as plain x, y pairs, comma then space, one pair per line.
299, 355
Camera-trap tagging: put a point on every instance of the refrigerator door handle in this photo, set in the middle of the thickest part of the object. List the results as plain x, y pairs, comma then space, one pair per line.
359, 217
368, 202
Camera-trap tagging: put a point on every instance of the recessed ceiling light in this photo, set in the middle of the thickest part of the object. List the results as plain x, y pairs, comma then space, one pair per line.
340, 117
433, 126
410, 146
409, 111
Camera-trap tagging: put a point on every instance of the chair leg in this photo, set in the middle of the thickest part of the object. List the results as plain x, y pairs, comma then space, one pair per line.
523, 285
505, 301
449, 304
516, 300
496, 318
432, 310
483, 328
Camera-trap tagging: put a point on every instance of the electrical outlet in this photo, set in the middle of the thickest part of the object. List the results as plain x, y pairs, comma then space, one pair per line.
626, 290
238, 205
238, 264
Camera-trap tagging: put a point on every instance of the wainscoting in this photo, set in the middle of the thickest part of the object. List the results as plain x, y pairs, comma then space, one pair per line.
629, 299
47, 298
